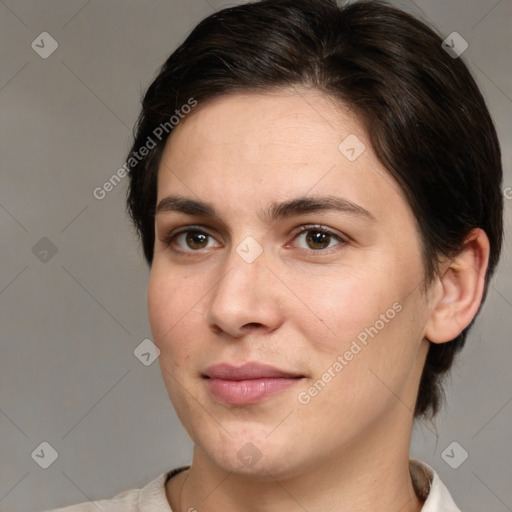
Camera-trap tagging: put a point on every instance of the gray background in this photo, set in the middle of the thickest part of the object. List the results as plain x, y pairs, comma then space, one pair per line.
69, 325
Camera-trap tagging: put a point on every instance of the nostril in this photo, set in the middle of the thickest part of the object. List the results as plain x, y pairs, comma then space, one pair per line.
252, 325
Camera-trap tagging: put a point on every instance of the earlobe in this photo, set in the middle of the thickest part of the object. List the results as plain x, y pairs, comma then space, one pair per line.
460, 288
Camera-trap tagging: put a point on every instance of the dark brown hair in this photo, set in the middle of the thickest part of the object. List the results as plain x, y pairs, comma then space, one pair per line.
424, 115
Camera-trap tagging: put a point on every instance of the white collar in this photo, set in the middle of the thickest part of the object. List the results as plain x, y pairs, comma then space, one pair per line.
428, 487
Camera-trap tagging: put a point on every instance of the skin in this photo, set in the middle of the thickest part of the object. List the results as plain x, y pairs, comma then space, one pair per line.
297, 307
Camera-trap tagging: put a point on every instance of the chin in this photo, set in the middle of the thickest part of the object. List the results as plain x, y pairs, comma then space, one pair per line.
254, 456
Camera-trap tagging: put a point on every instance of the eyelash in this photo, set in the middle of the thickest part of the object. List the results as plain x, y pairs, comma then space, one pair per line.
169, 239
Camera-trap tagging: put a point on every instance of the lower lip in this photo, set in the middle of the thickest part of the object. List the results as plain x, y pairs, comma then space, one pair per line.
245, 392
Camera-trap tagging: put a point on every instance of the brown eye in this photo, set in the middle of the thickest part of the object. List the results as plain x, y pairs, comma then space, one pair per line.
317, 238
196, 239
191, 240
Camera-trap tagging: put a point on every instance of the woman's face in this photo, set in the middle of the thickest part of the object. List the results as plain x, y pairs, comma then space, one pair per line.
286, 292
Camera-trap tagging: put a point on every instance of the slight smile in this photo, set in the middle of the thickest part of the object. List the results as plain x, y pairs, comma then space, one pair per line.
247, 384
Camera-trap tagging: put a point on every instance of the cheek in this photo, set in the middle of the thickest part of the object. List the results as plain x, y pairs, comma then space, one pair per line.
345, 305
372, 354
171, 317
171, 301
373, 321
158, 305
356, 382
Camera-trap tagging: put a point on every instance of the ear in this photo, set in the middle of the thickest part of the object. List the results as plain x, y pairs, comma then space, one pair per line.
459, 289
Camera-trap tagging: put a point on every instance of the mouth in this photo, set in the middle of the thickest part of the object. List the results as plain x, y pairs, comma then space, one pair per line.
247, 384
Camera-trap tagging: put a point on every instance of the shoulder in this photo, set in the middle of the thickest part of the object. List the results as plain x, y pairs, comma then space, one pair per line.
148, 498
430, 488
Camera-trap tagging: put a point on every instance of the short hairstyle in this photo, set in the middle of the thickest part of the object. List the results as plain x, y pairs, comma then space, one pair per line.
423, 113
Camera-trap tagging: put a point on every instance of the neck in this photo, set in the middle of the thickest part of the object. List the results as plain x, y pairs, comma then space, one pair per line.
367, 476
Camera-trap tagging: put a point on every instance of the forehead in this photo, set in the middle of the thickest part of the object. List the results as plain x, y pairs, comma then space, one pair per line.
287, 123
243, 150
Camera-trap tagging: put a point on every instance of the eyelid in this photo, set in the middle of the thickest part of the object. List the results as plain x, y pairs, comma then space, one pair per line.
169, 237
310, 227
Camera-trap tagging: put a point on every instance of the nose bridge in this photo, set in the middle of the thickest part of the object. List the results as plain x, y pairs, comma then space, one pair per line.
241, 278
243, 295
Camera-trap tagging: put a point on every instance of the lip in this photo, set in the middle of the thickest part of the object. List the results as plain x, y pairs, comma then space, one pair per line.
247, 384
251, 370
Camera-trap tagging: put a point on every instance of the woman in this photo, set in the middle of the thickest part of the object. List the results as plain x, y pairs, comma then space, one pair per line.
317, 191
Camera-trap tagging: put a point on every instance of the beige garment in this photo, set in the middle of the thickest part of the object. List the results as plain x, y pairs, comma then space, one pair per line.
152, 497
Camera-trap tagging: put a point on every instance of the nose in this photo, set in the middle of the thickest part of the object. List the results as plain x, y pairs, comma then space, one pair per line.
247, 297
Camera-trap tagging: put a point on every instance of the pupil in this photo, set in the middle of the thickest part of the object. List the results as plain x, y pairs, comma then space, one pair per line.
195, 239
318, 238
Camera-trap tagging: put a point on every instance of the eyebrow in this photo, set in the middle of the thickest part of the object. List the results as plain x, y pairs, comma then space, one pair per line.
276, 211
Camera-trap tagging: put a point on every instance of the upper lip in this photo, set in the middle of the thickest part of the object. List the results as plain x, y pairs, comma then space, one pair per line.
246, 371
